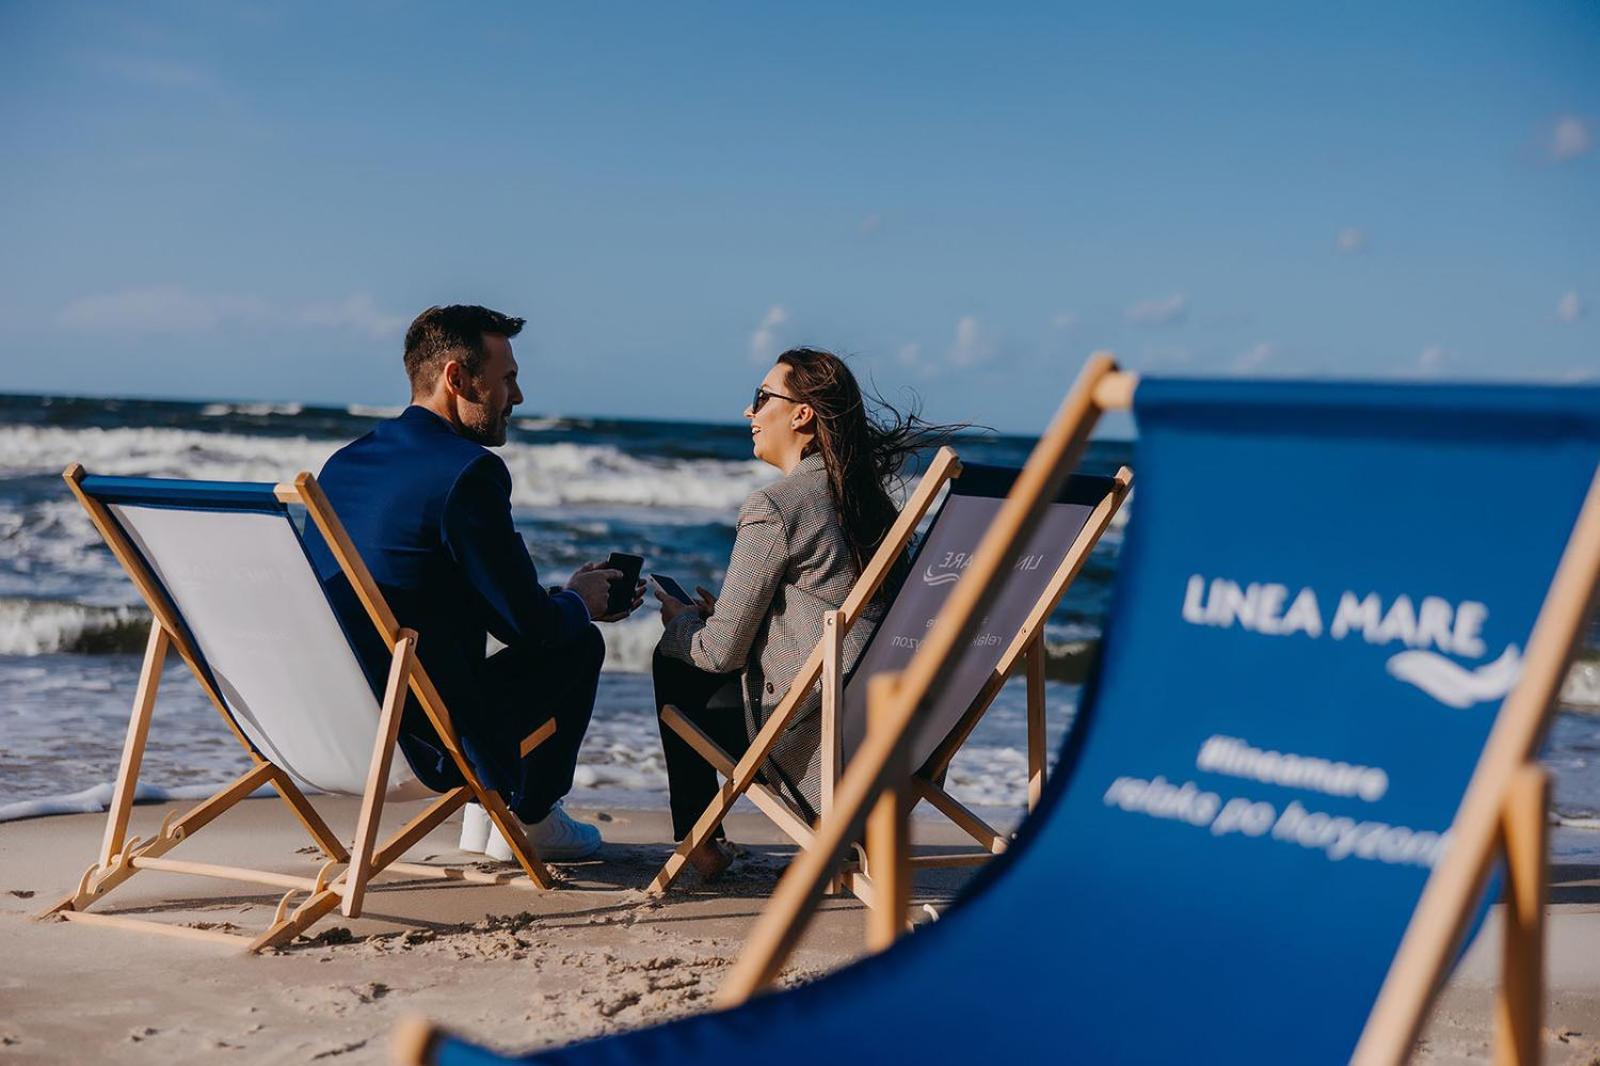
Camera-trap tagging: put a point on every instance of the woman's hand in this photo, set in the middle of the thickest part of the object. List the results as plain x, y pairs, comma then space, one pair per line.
672, 607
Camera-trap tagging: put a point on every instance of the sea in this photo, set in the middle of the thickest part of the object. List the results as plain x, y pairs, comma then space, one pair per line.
72, 629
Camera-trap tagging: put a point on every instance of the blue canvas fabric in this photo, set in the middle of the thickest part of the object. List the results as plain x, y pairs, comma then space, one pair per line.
171, 492
1187, 891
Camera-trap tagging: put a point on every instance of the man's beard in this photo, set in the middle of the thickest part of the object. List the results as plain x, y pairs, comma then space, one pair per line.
489, 432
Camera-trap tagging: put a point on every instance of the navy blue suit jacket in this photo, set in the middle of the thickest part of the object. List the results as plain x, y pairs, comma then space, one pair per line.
430, 513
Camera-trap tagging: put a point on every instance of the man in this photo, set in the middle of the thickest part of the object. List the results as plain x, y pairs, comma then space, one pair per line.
428, 506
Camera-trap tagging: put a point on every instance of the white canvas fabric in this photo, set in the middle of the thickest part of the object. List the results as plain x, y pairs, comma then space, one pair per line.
940, 563
281, 661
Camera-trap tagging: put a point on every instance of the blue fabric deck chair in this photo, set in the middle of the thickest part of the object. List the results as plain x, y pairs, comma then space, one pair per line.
230, 588
1309, 740
1081, 511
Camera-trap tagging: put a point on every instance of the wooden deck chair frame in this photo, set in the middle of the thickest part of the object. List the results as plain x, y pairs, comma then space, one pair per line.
121, 856
826, 663
1503, 811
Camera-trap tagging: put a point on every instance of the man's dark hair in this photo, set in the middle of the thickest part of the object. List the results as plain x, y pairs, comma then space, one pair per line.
440, 334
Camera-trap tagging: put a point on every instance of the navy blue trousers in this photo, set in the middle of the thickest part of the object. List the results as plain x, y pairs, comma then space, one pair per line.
518, 690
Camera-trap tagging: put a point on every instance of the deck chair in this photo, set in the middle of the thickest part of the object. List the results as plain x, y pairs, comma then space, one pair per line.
1276, 819
230, 588
1013, 634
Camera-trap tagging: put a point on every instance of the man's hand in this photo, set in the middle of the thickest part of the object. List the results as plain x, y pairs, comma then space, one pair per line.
592, 582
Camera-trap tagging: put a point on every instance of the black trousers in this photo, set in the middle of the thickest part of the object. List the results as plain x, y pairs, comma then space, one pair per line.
691, 781
519, 689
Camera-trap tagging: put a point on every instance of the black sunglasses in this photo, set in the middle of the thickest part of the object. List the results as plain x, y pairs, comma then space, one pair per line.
763, 395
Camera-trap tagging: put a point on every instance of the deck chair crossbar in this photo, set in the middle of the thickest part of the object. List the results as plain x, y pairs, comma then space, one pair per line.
1502, 815
344, 874
1025, 645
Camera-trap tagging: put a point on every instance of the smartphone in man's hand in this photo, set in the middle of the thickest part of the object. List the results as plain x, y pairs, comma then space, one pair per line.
621, 599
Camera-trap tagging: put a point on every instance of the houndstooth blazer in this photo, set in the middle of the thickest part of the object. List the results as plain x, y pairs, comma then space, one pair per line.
790, 564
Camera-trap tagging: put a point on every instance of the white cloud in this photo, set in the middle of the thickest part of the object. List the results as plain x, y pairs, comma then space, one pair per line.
356, 312
1351, 239
909, 354
177, 309
1159, 310
1254, 359
1570, 138
156, 73
764, 341
1064, 320
1432, 360
1168, 357
1570, 307
872, 223
157, 309
971, 346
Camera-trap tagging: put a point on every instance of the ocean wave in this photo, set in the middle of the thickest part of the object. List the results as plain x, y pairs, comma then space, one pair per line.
97, 798
364, 410
47, 627
256, 410
52, 627
543, 475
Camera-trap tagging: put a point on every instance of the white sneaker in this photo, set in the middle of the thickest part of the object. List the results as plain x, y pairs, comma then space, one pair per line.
474, 828
556, 837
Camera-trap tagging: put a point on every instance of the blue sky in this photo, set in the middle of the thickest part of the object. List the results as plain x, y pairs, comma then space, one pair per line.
213, 200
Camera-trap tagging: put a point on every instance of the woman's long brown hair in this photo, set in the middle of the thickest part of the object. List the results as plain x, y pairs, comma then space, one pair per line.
862, 450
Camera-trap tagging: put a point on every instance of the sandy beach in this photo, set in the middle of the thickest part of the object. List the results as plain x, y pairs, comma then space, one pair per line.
515, 968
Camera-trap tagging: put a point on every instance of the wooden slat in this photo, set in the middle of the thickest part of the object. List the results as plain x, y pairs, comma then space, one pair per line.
888, 839
1036, 722
420, 826
776, 808
460, 873
144, 701
959, 813
960, 858
226, 873
1519, 1007
537, 737
800, 891
140, 925
394, 700
832, 750
698, 739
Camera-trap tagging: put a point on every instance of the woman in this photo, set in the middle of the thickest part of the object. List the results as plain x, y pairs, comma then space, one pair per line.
800, 545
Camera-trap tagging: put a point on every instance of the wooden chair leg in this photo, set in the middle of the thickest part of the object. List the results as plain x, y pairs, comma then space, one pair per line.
144, 701
888, 844
832, 749
1519, 1008
1036, 743
394, 698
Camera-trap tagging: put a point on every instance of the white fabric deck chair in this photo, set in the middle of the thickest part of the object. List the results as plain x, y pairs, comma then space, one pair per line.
1013, 634
230, 587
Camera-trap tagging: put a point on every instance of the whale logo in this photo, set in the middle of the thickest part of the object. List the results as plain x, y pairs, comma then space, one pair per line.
947, 577
1455, 685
